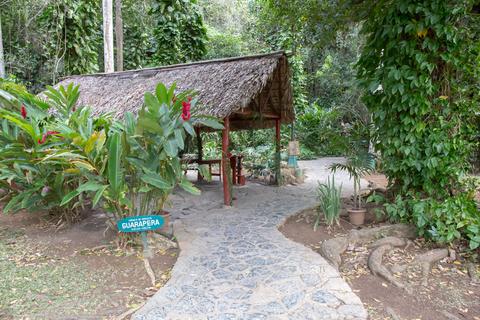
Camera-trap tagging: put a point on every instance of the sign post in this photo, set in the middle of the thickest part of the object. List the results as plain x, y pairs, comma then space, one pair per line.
141, 224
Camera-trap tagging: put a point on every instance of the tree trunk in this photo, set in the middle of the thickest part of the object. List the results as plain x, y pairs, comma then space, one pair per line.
108, 36
2, 59
119, 34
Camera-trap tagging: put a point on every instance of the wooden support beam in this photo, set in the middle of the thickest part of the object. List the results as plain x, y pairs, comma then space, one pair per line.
199, 150
227, 199
278, 170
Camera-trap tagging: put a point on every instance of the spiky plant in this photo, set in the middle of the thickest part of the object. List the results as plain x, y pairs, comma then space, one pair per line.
329, 202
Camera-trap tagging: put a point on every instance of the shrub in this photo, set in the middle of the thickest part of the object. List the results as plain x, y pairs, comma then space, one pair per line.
419, 68
329, 198
41, 156
443, 221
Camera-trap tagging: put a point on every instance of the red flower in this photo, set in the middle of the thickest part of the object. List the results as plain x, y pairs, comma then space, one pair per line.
44, 138
186, 116
185, 110
23, 111
189, 99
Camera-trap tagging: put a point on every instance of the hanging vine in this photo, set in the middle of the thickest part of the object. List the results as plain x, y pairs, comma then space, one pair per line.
73, 31
179, 33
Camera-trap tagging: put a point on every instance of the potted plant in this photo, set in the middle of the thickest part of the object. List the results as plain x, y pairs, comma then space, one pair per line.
356, 166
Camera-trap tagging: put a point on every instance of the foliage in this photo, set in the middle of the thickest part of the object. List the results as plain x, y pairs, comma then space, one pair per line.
357, 165
75, 29
64, 161
418, 70
322, 131
329, 197
457, 217
420, 67
143, 166
179, 32
42, 158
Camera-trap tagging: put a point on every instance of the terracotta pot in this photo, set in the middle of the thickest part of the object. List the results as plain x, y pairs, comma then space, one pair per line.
166, 217
357, 216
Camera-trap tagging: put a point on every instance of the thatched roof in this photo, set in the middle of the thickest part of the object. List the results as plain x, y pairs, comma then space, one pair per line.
251, 90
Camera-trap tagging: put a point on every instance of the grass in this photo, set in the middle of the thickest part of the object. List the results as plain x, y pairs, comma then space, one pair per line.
35, 284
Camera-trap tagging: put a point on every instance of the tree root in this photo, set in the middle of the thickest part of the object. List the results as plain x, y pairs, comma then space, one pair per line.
129, 312
472, 272
378, 269
393, 241
150, 272
426, 261
332, 249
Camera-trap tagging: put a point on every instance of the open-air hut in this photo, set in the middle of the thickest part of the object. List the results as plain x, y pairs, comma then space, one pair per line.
251, 92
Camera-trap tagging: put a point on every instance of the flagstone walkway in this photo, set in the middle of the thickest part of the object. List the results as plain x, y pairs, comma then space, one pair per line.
235, 264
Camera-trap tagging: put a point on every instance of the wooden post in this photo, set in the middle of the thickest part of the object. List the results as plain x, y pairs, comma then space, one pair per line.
278, 171
225, 160
200, 150
199, 143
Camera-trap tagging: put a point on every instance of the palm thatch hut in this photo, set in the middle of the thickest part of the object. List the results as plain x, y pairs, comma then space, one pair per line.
251, 92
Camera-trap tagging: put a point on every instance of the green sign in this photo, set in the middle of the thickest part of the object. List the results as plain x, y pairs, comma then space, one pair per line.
140, 223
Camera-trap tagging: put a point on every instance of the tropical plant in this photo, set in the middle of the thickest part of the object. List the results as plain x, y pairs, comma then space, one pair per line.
42, 160
329, 196
143, 166
357, 165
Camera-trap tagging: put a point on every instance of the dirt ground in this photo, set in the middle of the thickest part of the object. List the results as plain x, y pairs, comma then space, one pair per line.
49, 274
449, 294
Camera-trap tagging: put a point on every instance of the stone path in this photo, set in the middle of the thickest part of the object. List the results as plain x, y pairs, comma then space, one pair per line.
235, 264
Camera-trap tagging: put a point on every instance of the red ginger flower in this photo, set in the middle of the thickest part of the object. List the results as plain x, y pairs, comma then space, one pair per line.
45, 136
186, 116
23, 111
185, 111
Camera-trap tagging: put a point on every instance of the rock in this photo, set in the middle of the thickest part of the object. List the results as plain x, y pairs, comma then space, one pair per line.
331, 250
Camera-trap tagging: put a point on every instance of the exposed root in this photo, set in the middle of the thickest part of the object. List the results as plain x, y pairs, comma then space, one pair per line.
333, 248
129, 312
150, 272
426, 261
472, 272
393, 241
394, 230
163, 242
378, 269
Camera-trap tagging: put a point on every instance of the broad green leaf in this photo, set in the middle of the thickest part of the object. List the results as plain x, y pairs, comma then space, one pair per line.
156, 181
98, 196
69, 197
114, 170
89, 186
211, 123
189, 187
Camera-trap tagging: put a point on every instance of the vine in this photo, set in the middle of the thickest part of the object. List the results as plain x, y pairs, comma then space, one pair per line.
418, 66
179, 33
75, 29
